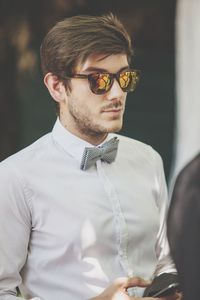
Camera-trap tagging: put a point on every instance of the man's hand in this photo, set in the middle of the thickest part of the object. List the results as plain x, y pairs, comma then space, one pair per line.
118, 290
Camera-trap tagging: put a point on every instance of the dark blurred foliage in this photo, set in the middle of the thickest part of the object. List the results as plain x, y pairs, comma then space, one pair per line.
23, 24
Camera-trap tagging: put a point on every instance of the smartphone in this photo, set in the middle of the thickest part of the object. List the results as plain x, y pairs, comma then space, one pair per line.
169, 290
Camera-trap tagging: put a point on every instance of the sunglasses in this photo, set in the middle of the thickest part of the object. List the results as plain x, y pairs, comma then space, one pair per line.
101, 83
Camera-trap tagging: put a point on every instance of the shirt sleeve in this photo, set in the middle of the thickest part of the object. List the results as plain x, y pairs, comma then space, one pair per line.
15, 228
165, 262
11, 297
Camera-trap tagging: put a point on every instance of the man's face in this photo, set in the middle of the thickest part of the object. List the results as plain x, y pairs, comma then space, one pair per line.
92, 116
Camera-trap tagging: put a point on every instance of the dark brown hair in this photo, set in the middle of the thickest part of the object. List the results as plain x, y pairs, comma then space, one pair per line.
73, 40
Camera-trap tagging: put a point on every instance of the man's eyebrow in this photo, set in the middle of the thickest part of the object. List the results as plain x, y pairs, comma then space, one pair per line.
101, 70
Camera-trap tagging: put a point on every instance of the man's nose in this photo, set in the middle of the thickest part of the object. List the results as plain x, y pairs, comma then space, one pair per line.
115, 91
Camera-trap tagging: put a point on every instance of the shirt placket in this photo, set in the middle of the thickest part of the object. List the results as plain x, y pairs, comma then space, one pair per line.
120, 222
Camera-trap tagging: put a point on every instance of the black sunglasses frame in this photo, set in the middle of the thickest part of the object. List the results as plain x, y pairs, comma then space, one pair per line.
129, 88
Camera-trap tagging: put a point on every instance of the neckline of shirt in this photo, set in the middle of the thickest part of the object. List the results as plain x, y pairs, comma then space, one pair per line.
71, 143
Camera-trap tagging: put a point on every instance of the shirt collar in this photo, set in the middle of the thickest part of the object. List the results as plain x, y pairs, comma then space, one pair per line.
72, 144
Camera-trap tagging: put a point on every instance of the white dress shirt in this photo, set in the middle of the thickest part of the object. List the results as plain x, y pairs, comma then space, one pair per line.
66, 234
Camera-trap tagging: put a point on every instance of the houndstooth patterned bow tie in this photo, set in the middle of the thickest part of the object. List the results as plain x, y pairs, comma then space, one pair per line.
106, 152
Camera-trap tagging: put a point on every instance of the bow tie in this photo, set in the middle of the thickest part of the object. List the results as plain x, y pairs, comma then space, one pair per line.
106, 152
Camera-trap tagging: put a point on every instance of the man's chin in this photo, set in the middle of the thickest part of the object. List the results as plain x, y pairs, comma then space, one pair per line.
115, 128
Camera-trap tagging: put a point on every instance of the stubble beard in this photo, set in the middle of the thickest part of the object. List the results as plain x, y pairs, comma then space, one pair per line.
88, 127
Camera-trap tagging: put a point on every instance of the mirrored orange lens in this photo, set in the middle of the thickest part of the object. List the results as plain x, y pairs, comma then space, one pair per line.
128, 80
100, 83
124, 79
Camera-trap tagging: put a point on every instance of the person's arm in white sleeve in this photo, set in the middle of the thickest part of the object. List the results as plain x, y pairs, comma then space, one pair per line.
11, 297
165, 262
15, 227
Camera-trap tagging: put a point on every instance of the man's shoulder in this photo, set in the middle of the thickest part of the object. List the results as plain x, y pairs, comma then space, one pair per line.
30, 153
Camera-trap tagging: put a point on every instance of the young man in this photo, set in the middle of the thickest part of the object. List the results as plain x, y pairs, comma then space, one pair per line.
82, 209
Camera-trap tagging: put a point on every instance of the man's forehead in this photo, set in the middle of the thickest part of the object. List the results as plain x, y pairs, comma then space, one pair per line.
103, 61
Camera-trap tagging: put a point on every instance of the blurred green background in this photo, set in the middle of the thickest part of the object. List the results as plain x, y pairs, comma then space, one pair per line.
26, 109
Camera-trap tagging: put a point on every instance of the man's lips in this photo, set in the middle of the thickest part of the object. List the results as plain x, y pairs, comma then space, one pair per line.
113, 110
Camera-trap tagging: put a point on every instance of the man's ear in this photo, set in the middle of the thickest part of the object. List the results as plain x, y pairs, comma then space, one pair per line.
55, 86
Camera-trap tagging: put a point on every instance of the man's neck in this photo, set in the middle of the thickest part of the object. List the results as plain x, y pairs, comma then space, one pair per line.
92, 138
